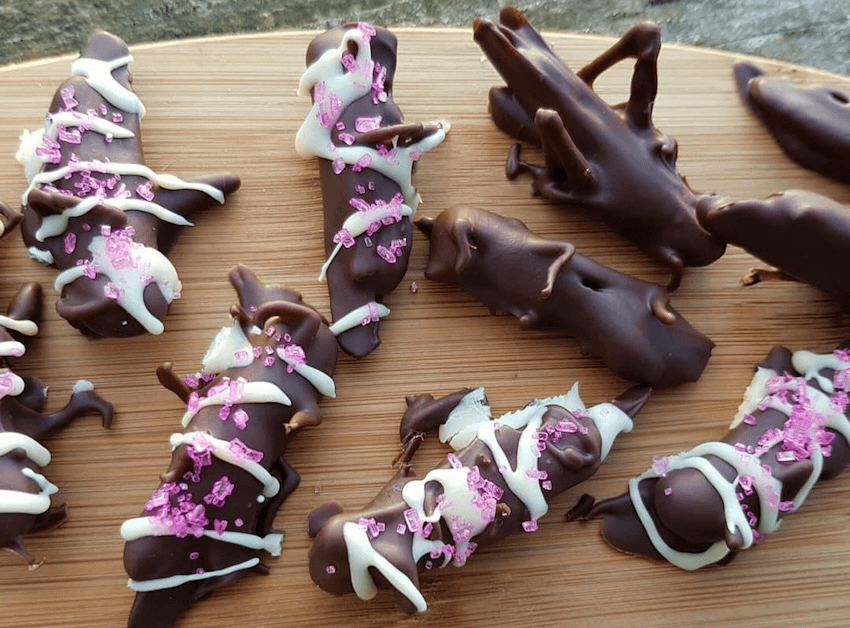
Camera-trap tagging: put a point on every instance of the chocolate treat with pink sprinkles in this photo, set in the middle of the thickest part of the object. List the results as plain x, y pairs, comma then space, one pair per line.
703, 506
366, 159
499, 481
25, 493
94, 211
210, 519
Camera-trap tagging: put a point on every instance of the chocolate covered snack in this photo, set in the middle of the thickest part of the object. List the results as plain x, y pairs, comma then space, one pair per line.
611, 160
499, 481
805, 235
703, 506
8, 219
210, 519
811, 123
95, 211
25, 494
366, 159
627, 322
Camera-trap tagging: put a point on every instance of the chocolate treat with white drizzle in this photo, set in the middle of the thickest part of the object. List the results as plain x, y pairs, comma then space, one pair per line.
610, 160
24, 492
703, 506
625, 321
811, 123
95, 211
500, 479
366, 159
804, 235
210, 519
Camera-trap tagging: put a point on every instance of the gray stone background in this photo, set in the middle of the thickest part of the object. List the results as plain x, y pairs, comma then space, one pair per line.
808, 32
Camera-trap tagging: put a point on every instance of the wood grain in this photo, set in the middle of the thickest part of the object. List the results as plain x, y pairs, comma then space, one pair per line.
230, 104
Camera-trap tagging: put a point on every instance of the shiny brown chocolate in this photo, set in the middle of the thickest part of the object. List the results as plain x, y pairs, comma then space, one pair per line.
688, 512
803, 234
610, 160
811, 123
23, 414
9, 220
84, 302
546, 285
271, 318
359, 275
568, 459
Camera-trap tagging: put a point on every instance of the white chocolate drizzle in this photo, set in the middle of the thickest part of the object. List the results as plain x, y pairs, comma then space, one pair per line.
140, 527
251, 392
359, 316
98, 74
175, 581
22, 502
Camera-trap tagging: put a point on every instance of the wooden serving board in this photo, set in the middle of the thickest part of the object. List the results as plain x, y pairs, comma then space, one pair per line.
230, 104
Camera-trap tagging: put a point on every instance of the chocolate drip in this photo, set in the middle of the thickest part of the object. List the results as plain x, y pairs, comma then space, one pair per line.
627, 322
704, 506
95, 212
611, 160
211, 517
366, 171
498, 482
809, 122
24, 491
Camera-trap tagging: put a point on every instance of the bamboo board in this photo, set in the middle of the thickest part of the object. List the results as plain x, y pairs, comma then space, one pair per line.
230, 104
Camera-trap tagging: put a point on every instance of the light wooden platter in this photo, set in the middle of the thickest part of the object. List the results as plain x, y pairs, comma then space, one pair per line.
230, 104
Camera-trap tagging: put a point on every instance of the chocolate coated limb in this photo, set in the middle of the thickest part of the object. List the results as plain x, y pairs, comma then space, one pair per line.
366, 158
95, 212
811, 123
545, 284
499, 481
611, 160
210, 519
804, 234
703, 506
24, 492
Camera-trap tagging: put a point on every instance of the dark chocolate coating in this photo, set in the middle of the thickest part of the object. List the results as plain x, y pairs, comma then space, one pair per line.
84, 302
359, 275
803, 234
687, 509
625, 321
285, 321
811, 123
567, 459
611, 160
22, 414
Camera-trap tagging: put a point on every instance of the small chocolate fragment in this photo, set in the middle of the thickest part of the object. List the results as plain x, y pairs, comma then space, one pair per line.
94, 211
499, 481
24, 492
627, 322
803, 234
703, 506
211, 517
811, 123
8, 219
611, 160
366, 159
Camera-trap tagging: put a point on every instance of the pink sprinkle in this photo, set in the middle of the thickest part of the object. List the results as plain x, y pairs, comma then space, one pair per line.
71, 137
363, 162
530, 525
668, 491
338, 165
661, 465
238, 523
786, 506
415, 154
224, 413
258, 351
411, 517
344, 237
268, 361
295, 356
199, 571
414, 288
70, 242
330, 570
340, 126
117, 117
194, 556
145, 191
547, 485
386, 254
240, 419
346, 138
366, 30
102, 109
241, 451
108, 138
427, 529
111, 291
374, 315
842, 354
454, 461
68, 99
349, 62
360, 189
749, 419
220, 526
366, 123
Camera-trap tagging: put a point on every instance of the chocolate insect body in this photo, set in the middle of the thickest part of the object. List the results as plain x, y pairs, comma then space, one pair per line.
703, 506
211, 517
499, 481
803, 234
545, 284
611, 160
24, 492
366, 158
95, 211
811, 123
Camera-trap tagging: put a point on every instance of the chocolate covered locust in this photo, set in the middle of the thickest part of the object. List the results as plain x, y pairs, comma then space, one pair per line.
545, 284
25, 493
366, 159
94, 211
704, 506
499, 481
611, 160
210, 519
